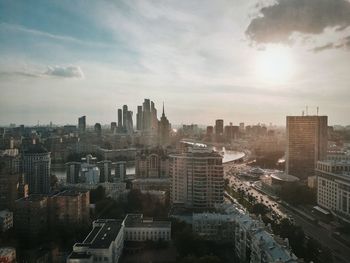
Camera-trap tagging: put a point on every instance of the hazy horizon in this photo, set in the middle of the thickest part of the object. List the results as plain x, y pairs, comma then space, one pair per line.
241, 61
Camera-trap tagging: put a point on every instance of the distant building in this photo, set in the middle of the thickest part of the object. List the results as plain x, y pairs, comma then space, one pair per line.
139, 118
98, 129
306, 144
82, 124
152, 163
210, 131
89, 172
219, 127
120, 170
104, 243
105, 168
113, 127
333, 187
164, 129
120, 120
9, 181
138, 228
73, 172
6, 220
197, 178
37, 167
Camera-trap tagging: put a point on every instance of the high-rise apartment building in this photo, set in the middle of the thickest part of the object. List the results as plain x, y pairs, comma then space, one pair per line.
73, 172
306, 144
125, 116
36, 167
98, 129
82, 124
139, 118
196, 178
219, 127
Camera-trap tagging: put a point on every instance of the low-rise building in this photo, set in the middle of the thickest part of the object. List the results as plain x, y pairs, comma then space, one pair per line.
103, 244
138, 228
69, 207
6, 220
214, 226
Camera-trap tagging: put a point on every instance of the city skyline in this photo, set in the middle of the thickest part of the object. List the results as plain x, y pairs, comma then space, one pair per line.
213, 62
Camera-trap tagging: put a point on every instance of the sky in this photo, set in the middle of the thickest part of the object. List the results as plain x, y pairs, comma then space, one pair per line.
252, 61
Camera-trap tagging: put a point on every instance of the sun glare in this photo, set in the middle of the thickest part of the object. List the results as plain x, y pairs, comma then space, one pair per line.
275, 65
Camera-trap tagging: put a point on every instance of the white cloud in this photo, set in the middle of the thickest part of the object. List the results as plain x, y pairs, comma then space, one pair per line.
65, 72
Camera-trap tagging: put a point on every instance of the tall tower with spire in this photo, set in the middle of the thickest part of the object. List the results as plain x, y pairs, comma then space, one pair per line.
164, 129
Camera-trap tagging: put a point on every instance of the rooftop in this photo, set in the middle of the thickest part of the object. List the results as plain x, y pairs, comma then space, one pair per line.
137, 220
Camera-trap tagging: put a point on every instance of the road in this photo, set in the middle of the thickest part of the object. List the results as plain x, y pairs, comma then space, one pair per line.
340, 251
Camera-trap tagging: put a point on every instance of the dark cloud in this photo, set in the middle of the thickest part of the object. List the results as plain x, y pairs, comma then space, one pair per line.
65, 72
276, 23
324, 47
343, 43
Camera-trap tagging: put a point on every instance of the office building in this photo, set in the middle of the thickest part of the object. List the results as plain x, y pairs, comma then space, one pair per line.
30, 215
6, 220
139, 118
120, 120
210, 131
82, 124
89, 172
333, 187
196, 178
138, 228
306, 144
36, 167
104, 243
105, 168
73, 172
125, 116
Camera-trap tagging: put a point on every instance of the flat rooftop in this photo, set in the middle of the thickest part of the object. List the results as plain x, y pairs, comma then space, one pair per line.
137, 220
102, 235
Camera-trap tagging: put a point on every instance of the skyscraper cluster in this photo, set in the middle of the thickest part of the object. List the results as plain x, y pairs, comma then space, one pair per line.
125, 122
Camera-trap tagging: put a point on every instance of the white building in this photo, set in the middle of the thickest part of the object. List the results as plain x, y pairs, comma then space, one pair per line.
333, 187
90, 174
103, 244
197, 178
138, 228
6, 220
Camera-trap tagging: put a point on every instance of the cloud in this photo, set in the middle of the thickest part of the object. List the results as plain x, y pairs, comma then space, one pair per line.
278, 22
65, 72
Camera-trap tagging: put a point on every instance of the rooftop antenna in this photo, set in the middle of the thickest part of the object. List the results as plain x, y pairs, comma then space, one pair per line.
317, 110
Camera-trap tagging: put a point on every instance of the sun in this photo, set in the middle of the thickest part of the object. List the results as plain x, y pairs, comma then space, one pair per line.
275, 65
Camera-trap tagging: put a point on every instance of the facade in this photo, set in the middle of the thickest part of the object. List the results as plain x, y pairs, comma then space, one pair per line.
30, 215
104, 243
164, 129
213, 226
333, 187
105, 168
138, 228
219, 127
120, 170
152, 163
36, 167
6, 220
89, 172
82, 124
69, 207
73, 172
196, 178
306, 144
